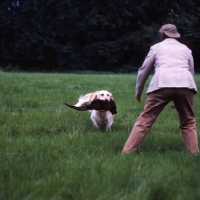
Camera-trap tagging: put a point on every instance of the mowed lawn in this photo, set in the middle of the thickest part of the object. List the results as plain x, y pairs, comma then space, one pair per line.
51, 152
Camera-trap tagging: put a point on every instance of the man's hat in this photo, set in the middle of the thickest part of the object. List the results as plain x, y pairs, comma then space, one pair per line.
170, 30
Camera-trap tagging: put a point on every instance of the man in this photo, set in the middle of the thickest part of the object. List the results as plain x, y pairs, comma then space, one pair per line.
173, 81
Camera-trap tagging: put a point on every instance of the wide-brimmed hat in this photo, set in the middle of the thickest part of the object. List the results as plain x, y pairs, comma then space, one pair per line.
170, 30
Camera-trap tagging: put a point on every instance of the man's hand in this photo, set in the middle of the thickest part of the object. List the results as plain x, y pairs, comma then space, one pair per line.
138, 97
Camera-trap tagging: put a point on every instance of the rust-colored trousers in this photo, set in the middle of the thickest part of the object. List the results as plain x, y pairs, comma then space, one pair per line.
183, 99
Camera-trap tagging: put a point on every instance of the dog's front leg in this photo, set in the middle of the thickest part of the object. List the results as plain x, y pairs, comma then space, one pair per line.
94, 121
95, 124
109, 121
108, 126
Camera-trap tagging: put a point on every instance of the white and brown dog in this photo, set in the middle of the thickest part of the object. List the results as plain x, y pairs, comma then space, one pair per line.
100, 118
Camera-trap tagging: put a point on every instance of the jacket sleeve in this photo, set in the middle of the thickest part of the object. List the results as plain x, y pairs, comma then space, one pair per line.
191, 63
144, 71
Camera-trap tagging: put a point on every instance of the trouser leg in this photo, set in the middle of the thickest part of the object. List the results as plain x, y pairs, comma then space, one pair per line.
154, 105
184, 102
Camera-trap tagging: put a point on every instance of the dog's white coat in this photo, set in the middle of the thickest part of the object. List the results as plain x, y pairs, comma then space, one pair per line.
99, 118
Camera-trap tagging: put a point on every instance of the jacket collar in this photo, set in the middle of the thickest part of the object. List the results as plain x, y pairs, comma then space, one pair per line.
170, 40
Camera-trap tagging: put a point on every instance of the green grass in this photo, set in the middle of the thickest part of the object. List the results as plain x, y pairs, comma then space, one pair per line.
49, 151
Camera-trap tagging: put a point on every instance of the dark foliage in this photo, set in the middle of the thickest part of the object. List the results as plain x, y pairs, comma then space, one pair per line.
99, 35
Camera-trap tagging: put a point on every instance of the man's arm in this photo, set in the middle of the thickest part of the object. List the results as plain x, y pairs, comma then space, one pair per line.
143, 73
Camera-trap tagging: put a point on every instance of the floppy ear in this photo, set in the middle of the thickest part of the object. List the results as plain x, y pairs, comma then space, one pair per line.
93, 96
90, 96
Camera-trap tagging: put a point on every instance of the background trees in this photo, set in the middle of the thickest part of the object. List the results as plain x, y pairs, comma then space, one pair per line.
94, 35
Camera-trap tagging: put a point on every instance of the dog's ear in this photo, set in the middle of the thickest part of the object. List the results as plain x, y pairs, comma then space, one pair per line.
90, 96
111, 96
94, 95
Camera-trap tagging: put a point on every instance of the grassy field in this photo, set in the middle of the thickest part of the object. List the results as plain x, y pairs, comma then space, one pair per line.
51, 152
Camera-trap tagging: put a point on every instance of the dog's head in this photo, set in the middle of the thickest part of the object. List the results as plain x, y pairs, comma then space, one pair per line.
103, 95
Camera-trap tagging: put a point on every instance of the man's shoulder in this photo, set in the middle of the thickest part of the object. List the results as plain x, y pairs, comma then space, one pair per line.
156, 45
169, 42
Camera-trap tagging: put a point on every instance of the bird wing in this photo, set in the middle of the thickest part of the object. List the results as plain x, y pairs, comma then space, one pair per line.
97, 104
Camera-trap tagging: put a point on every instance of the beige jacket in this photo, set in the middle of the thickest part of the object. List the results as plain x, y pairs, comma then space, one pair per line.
173, 64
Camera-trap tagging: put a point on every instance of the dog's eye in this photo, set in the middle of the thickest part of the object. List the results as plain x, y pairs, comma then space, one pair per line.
102, 94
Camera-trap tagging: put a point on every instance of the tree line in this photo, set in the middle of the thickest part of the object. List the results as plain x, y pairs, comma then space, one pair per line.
101, 35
